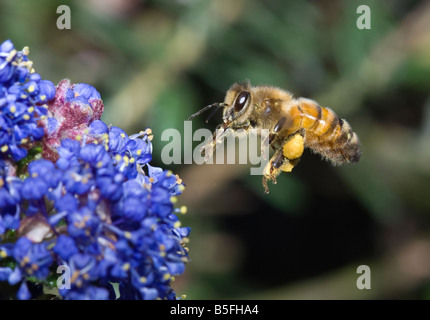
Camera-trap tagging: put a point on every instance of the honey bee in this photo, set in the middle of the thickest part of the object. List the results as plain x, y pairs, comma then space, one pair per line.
293, 124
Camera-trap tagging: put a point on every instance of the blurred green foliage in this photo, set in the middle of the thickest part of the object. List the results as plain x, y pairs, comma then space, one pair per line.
157, 62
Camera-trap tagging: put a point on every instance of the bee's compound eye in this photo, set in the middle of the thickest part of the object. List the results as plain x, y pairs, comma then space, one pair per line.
241, 100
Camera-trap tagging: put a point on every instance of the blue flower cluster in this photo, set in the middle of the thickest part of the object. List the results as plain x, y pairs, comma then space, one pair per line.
100, 210
22, 101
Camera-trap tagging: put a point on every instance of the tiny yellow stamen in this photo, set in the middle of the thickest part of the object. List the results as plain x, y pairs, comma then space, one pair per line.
74, 276
26, 117
118, 157
132, 160
43, 97
122, 135
142, 279
127, 234
3, 254
126, 266
4, 148
12, 109
177, 224
26, 51
183, 210
25, 260
99, 164
31, 88
167, 276
30, 110
29, 65
11, 55
173, 199
78, 137
79, 225
139, 152
34, 175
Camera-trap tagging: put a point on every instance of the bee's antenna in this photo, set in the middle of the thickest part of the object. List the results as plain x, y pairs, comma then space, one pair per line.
217, 104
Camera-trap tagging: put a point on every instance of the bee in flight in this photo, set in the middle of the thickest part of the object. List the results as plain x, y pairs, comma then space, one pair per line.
293, 124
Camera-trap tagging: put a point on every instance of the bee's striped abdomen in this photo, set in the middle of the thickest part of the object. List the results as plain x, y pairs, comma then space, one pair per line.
327, 134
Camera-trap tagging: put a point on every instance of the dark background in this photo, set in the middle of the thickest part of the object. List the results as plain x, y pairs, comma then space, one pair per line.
157, 62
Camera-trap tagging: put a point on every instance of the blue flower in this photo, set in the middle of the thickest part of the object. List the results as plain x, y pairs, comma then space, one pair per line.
9, 191
10, 197
84, 268
83, 225
98, 127
23, 292
43, 176
86, 293
82, 92
9, 218
65, 247
5, 273
93, 203
68, 152
132, 207
22, 98
33, 259
128, 152
119, 228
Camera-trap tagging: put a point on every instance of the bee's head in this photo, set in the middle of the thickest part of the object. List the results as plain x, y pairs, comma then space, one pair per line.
237, 104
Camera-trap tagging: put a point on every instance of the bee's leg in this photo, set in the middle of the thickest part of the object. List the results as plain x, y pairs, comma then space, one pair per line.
209, 148
284, 159
273, 168
268, 139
